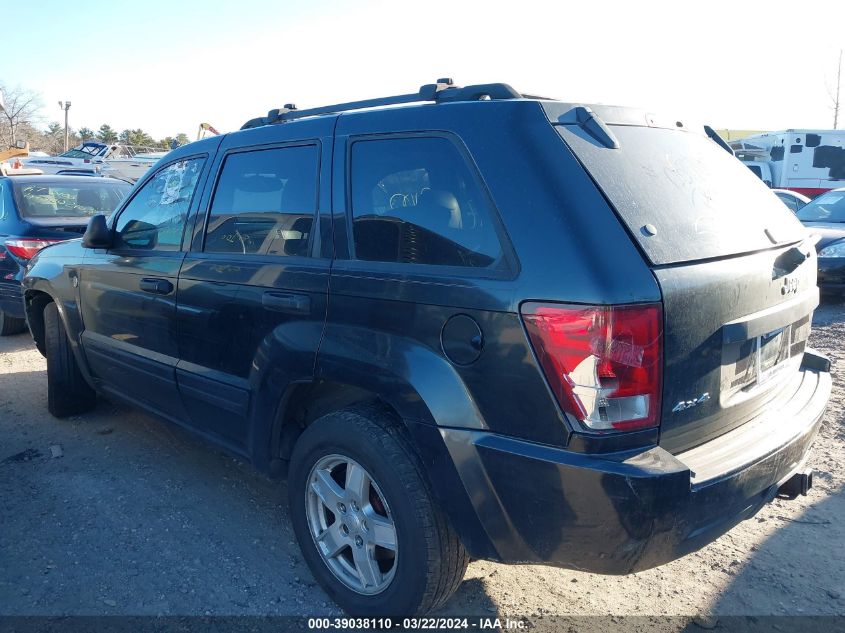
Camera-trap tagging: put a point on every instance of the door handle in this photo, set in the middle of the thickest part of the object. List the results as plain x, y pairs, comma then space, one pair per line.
286, 302
156, 286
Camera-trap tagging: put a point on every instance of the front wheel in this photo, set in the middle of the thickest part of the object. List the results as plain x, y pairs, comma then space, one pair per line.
365, 520
67, 391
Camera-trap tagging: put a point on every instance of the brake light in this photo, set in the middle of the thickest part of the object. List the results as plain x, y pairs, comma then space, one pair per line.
27, 248
603, 363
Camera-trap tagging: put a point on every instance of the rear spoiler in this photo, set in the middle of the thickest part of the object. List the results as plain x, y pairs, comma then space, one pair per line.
710, 132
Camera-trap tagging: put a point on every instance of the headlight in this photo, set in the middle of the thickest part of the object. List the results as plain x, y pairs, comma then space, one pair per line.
837, 249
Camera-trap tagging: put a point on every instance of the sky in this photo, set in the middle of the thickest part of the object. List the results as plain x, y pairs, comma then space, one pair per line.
167, 66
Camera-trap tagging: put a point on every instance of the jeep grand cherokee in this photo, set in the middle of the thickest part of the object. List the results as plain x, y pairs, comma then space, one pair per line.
463, 322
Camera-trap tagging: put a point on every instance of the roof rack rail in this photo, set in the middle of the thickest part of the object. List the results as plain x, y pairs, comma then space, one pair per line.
444, 91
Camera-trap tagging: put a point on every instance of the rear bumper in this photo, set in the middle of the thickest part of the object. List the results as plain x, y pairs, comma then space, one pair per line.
622, 513
831, 276
11, 299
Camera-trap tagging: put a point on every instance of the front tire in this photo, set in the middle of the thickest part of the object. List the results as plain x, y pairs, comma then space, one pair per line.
67, 391
365, 520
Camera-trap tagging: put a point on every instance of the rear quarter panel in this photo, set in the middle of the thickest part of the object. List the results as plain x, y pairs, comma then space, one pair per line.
385, 320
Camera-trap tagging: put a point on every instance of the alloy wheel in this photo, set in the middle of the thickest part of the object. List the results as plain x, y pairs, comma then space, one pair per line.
351, 524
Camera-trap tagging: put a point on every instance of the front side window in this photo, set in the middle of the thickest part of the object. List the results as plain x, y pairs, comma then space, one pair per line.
415, 200
265, 202
155, 218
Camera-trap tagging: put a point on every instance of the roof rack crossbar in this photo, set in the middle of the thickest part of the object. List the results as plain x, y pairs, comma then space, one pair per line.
351, 105
442, 91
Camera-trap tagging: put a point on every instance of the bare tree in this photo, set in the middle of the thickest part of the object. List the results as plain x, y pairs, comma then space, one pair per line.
834, 92
20, 107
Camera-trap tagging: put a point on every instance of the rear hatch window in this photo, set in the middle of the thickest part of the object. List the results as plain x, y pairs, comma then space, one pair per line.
681, 196
59, 202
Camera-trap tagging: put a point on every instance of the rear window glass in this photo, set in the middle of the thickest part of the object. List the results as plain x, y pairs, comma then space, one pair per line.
68, 200
699, 201
829, 207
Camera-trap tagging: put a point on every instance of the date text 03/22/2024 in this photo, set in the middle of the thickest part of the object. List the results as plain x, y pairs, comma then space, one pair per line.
480, 624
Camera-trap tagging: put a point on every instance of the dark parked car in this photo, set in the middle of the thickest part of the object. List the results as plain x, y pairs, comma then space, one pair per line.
825, 217
38, 210
488, 326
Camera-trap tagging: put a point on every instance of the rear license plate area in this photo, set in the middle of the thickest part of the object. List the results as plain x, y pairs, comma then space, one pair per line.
758, 360
770, 351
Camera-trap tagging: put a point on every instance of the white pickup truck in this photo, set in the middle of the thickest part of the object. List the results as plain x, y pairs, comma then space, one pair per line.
807, 161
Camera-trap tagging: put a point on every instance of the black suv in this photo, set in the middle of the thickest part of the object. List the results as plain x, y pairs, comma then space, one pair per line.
480, 325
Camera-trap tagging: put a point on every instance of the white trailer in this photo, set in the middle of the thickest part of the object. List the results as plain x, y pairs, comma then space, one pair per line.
807, 161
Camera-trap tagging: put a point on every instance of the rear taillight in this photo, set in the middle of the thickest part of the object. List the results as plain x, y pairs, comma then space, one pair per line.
604, 363
23, 248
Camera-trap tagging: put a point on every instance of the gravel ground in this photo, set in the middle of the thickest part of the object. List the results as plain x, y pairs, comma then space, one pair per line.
136, 517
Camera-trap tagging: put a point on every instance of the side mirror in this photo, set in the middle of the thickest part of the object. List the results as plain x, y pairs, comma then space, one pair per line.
98, 234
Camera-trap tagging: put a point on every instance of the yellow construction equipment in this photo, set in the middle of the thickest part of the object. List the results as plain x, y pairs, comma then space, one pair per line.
206, 127
21, 148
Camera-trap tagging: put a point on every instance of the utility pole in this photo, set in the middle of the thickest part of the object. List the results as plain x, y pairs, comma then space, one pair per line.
838, 86
65, 105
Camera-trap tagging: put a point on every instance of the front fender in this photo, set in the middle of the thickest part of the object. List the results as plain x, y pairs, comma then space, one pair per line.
53, 278
53, 272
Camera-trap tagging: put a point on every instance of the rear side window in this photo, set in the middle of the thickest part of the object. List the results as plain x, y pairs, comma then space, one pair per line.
416, 200
265, 202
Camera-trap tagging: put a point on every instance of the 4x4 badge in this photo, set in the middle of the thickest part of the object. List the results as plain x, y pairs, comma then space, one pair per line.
683, 405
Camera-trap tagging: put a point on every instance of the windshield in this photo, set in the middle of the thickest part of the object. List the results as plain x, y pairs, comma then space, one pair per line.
68, 200
828, 207
88, 150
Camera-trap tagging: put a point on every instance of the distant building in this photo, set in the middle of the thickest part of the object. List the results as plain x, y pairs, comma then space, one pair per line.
735, 135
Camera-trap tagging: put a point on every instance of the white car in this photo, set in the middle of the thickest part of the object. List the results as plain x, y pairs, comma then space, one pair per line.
792, 199
126, 162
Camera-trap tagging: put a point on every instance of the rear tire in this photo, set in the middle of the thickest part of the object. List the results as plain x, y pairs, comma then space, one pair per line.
428, 561
67, 391
11, 325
